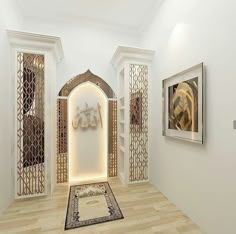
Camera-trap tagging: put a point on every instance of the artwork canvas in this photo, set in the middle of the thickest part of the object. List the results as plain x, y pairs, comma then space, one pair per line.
183, 105
136, 109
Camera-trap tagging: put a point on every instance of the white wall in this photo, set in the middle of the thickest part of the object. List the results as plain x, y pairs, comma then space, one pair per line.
9, 18
199, 179
50, 121
88, 146
86, 46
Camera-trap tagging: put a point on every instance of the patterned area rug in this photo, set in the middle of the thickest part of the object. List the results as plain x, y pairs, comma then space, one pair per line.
90, 204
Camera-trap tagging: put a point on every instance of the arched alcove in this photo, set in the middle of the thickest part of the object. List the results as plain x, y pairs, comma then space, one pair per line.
87, 133
62, 123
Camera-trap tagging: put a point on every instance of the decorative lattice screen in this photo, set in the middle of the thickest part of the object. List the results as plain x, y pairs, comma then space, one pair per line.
62, 155
112, 141
30, 172
138, 139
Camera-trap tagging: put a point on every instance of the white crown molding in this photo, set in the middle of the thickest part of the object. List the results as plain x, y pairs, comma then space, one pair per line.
46, 43
124, 53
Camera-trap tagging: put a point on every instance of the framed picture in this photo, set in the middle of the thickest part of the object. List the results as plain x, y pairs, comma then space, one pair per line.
183, 105
136, 109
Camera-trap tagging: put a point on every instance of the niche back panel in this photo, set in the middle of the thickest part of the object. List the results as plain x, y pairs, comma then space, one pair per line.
30, 155
62, 137
138, 123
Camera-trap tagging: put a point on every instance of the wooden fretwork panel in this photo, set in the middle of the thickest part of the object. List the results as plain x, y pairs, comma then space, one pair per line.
112, 147
62, 154
138, 136
30, 173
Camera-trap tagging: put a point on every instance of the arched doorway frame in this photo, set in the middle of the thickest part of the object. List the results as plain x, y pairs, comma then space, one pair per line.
62, 128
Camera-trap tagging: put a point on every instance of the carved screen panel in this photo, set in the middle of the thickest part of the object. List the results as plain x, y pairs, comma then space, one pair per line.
138, 155
85, 77
112, 147
62, 155
30, 172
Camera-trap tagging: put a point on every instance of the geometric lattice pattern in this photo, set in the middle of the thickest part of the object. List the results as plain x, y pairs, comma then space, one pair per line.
62, 155
62, 118
138, 145
30, 124
82, 78
112, 145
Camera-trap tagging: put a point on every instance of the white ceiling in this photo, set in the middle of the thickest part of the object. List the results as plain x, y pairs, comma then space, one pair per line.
131, 14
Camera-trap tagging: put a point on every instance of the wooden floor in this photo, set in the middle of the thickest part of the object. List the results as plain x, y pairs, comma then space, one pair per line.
145, 210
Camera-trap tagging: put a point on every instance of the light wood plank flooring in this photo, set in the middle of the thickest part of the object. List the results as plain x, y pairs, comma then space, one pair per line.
145, 210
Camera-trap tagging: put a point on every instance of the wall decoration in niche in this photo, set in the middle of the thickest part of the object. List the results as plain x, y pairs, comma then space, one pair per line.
183, 105
136, 109
88, 117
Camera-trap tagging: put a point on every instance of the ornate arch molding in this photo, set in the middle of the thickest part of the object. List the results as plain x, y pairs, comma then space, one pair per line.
82, 78
62, 122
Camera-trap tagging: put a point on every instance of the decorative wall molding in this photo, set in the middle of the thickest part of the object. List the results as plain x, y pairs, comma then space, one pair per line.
124, 53
88, 76
36, 42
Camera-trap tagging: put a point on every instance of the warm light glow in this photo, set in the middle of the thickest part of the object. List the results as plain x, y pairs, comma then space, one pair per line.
91, 178
88, 148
